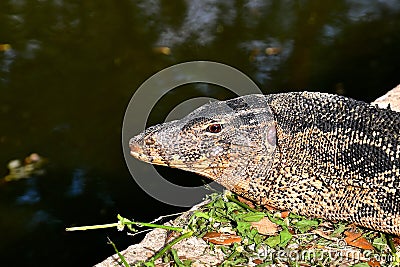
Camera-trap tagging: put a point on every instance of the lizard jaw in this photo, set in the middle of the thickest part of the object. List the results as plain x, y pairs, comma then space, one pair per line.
138, 151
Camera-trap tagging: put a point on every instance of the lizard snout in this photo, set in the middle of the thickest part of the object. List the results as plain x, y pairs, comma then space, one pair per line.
144, 148
135, 146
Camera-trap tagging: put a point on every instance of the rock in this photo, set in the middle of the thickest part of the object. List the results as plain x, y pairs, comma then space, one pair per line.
392, 97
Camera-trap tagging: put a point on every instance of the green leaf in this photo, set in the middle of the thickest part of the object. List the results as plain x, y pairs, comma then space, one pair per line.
295, 216
243, 227
258, 239
340, 229
363, 264
201, 215
285, 237
231, 207
253, 232
305, 225
220, 203
273, 241
251, 216
380, 242
220, 213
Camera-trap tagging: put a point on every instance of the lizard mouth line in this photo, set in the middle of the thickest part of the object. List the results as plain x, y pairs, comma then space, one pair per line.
173, 163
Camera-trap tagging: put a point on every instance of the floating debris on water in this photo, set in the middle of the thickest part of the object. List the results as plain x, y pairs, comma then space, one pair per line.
5, 47
165, 50
272, 51
32, 165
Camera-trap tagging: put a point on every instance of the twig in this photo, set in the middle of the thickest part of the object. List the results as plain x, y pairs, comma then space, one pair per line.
91, 227
123, 221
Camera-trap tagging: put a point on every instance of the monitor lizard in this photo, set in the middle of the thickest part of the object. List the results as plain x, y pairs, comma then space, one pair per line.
314, 154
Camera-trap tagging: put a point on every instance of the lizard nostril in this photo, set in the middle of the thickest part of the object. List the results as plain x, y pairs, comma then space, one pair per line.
135, 148
135, 144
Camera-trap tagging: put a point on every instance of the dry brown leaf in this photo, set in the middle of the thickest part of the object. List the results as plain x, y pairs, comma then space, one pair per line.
351, 236
257, 261
265, 226
396, 240
373, 263
221, 238
285, 214
356, 240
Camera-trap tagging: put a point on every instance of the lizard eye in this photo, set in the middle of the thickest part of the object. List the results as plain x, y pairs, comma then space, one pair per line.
214, 128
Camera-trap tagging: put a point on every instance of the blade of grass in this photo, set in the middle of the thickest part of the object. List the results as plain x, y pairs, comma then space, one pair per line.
126, 264
169, 245
245, 206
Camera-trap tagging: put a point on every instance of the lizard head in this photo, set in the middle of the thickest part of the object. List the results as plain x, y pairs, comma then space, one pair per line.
226, 141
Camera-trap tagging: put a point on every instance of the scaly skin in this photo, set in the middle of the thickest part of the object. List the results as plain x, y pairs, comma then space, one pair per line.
314, 154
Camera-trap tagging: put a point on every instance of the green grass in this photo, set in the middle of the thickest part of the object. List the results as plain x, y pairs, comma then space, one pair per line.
299, 241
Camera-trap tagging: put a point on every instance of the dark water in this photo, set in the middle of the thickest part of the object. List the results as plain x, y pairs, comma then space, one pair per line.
71, 68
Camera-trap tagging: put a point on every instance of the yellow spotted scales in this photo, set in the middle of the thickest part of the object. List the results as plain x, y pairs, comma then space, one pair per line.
313, 154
